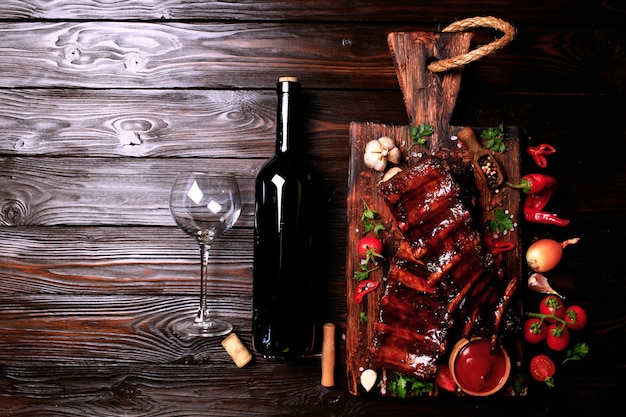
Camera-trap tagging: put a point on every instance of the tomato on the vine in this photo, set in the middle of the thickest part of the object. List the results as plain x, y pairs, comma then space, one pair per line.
542, 369
552, 304
558, 336
575, 317
370, 247
535, 330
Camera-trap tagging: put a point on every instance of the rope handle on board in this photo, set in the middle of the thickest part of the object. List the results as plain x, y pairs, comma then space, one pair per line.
474, 22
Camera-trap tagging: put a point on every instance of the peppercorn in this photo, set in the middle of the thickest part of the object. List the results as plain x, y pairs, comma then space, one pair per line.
492, 176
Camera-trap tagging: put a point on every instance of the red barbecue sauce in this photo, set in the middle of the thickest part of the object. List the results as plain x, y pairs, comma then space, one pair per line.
477, 370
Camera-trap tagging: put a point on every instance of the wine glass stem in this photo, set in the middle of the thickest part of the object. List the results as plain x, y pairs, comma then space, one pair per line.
203, 311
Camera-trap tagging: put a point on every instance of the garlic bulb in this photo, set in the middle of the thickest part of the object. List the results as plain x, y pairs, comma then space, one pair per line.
379, 151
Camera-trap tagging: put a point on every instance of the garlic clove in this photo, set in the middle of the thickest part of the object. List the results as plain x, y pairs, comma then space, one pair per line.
387, 142
375, 160
373, 146
394, 155
539, 283
369, 377
390, 173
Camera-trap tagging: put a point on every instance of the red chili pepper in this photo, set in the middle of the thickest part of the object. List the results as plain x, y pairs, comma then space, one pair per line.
539, 188
497, 246
540, 152
364, 287
538, 216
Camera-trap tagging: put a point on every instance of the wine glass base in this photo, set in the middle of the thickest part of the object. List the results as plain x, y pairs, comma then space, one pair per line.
211, 328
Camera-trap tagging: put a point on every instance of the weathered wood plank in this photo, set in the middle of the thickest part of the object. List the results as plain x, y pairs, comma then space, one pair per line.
49, 191
239, 124
210, 389
113, 191
176, 123
119, 329
260, 390
150, 55
139, 260
113, 329
137, 123
119, 260
72, 191
239, 55
440, 12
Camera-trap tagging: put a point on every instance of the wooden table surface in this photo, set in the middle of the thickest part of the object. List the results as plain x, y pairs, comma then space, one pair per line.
102, 103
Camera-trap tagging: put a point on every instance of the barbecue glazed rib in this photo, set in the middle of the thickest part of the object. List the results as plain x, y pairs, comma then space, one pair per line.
439, 262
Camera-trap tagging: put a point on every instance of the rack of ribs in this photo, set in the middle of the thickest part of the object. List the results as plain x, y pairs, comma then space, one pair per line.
439, 263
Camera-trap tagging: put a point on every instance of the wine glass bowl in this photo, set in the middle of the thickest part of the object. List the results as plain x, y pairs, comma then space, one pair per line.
204, 206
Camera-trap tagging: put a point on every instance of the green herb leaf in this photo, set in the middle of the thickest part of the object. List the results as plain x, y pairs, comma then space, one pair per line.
363, 273
419, 134
370, 219
519, 384
500, 220
363, 317
403, 386
495, 138
578, 352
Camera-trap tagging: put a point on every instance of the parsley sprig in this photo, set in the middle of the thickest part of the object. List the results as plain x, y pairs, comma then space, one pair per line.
370, 219
363, 272
419, 134
363, 317
500, 220
495, 138
578, 352
403, 385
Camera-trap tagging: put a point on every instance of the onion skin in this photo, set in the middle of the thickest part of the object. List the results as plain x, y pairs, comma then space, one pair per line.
545, 254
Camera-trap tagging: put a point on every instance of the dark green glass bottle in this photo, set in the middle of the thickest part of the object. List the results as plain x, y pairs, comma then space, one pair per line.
283, 322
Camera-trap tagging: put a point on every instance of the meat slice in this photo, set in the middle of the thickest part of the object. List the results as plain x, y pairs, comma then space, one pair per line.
439, 261
410, 333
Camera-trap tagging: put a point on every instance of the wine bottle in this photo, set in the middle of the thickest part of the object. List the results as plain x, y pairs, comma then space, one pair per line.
283, 322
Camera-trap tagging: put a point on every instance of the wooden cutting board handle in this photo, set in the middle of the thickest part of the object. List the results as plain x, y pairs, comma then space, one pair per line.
429, 97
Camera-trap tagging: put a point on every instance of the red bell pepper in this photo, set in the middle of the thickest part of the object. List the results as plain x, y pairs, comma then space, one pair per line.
539, 188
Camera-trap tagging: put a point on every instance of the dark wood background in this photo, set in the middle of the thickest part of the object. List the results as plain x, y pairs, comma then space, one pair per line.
102, 103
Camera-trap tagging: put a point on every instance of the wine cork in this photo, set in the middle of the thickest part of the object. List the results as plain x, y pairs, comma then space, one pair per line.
287, 79
328, 355
237, 350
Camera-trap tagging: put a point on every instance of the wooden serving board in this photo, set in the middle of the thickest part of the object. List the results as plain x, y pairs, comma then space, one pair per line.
429, 99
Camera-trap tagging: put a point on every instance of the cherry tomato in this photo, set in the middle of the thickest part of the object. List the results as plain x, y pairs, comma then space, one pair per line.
535, 330
552, 304
542, 369
558, 336
443, 378
369, 246
575, 317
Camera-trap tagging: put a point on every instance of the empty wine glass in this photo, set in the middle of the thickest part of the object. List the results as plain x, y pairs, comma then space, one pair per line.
204, 206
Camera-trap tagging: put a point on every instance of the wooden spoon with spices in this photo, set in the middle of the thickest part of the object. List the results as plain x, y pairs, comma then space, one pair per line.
482, 159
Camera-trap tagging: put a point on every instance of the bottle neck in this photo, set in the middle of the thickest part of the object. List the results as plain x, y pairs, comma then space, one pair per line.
288, 93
